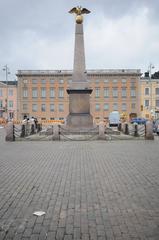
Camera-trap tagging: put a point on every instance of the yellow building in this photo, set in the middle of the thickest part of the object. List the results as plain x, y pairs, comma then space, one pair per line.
42, 94
149, 95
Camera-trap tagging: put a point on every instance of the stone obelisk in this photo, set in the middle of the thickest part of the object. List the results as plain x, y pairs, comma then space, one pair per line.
79, 92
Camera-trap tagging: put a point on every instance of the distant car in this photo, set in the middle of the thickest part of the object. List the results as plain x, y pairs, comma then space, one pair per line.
156, 126
138, 120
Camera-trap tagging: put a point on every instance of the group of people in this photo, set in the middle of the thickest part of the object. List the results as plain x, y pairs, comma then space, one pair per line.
31, 121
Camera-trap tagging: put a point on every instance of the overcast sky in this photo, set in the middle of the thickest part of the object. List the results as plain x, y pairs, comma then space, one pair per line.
39, 34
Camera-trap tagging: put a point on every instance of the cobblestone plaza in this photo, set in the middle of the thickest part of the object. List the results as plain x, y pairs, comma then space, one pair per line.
88, 190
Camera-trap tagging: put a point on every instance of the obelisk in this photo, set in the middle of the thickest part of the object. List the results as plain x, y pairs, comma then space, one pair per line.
79, 92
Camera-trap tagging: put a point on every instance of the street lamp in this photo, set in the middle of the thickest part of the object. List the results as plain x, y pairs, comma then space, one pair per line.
151, 66
6, 69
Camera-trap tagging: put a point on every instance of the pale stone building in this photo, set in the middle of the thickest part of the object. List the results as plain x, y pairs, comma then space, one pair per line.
42, 94
149, 97
8, 100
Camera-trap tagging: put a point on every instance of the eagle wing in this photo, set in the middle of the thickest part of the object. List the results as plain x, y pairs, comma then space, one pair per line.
85, 10
73, 10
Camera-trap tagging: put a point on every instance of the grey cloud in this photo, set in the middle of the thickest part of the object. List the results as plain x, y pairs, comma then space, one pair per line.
21, 20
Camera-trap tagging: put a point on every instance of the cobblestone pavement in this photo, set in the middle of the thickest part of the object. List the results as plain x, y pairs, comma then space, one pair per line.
89, 190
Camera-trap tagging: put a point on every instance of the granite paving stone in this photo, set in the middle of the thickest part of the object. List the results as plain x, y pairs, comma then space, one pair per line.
88, 190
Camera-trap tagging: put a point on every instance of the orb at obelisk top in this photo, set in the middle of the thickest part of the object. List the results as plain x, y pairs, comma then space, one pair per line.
79, 92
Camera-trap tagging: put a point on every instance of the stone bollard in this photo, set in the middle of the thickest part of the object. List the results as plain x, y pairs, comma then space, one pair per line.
136, 130
56, 133
101, 131
10, 132
149, 131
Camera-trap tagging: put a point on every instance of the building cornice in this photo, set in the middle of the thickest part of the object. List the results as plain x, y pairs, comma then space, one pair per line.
68, 73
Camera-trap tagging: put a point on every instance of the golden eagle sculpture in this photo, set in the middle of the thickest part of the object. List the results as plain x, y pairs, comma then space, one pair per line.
79, 11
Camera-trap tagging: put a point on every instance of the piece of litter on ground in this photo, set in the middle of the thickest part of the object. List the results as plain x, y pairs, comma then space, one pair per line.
39, 213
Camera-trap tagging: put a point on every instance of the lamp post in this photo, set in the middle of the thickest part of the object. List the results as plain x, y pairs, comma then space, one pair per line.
151, 66
7, 72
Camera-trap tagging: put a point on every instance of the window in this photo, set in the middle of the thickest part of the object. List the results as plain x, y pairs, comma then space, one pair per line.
146, 103
61, 81
147, 91
1, 92
25, 106
97, 92
106, 106
10, 92
52, 107
61, 92
157, 91
115, 92
133, 92
34, 81
123, 92
106, 80
106, 92
43, 92
97, 107
52, 92
123, 80
52, 81
133, 105
123, 107
115, 80
10, 104
132, 83
34, 93
69, 80
157, 103
61, 108
97, 81
1, 103
43, 107
34, 107
25, 92
115, 106
43, 81
25, 81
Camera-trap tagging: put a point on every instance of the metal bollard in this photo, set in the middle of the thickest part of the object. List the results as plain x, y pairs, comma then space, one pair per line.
32, 129
13, 132
23, 131
38, 127
136, 130
119, 127
126, 129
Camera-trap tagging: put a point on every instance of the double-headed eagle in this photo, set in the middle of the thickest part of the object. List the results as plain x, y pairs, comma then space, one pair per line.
79, 11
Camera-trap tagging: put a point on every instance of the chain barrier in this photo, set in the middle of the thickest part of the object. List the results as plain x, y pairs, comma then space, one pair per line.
22, 132
65, 132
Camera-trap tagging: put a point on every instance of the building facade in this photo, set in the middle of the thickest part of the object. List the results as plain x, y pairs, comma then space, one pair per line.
43, 94
149, 97
8, 100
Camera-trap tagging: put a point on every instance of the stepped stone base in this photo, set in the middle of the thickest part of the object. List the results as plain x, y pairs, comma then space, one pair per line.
79, 121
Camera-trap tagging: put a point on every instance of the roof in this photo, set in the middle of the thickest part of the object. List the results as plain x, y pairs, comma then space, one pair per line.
136, 72
11, 83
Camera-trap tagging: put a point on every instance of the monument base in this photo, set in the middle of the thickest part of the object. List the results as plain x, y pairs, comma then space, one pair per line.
79, 121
